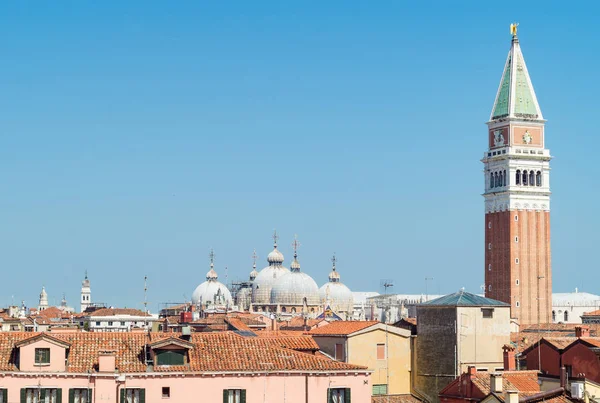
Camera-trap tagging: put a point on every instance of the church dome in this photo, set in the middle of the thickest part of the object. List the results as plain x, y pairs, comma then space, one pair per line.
335, 293
295, 287
264, 281
212, 292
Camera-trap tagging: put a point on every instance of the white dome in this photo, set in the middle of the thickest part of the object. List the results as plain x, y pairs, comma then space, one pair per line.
293, 287
262, 284
212, 292
340, 297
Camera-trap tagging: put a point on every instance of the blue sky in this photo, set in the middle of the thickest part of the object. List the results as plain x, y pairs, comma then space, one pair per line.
134, 137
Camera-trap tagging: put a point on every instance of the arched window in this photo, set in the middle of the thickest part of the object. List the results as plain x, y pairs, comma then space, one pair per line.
525, 178
293, 310
531, 178
496, 183
491, 179
518, 177
284, 309
538, 178
553, 316
504, 183
500, 179
566, 316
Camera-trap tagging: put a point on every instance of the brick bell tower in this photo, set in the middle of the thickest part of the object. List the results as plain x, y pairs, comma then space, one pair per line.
517, 197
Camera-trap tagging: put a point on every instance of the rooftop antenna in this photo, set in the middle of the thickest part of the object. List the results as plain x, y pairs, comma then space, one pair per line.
146, 302
386, 283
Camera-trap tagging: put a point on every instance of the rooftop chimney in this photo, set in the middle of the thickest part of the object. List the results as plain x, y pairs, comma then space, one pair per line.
509, 357
496, 383
106, 361
563, 377
511, 396
472, 370
582, 331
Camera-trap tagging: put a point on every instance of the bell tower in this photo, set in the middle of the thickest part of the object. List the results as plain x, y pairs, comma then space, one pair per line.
517, 197
86, 293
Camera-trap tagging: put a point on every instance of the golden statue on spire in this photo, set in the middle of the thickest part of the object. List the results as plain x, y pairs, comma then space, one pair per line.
513, 28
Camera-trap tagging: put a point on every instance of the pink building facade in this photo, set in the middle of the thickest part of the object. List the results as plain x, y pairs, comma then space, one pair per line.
134, 368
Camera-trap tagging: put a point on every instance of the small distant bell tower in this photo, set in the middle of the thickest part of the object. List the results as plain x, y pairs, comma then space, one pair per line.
86, 293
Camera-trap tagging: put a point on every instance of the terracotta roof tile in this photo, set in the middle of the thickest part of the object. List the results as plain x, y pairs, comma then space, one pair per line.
221, 351
342, 328
394, 399
523, 381
118, 311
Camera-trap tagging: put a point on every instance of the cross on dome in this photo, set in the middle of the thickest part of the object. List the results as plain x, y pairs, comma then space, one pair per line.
295, 266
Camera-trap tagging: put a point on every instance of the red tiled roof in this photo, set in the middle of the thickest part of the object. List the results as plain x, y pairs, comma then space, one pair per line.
593, 313
212, 352
118, 311
522, 381
342, 328
525, 382
237, 324
394, 399
294, 342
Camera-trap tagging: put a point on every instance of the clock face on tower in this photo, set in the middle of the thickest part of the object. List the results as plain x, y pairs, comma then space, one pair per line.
527, 137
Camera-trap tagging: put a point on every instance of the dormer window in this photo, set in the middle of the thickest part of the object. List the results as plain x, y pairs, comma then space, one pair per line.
172, 351
42, 356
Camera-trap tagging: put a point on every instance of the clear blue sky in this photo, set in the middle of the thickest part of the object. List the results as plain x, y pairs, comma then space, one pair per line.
134, 137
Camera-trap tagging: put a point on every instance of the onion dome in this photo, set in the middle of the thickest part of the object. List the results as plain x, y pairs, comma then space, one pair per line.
335, 293
295, 287
212, 292
262, 284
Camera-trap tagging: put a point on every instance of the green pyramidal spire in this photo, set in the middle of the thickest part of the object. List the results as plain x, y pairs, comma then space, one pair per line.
516, 97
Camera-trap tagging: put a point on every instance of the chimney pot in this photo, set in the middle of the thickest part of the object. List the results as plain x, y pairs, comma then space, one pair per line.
511, 396
582, 331
472, 370
509, 358
496, 382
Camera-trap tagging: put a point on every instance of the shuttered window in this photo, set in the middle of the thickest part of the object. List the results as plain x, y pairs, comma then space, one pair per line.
380, 389
381, 351
132, 395
80, 395
234, 395
3, 395
338, 395
41, 395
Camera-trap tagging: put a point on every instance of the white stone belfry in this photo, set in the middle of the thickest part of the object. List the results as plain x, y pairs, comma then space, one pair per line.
86, 293
43, 300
